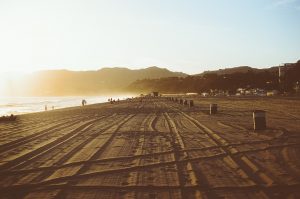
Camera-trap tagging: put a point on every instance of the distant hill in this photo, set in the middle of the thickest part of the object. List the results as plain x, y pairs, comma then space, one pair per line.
103, 81
225, 79
123, 80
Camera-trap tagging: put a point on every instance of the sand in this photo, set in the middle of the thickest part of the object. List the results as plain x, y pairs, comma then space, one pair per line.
154, 148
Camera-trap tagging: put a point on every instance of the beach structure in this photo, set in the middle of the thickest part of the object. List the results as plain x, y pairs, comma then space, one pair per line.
191, 103
204, 94
185, 102
181, 101
154, 94
272, 93
213, 108
259, 119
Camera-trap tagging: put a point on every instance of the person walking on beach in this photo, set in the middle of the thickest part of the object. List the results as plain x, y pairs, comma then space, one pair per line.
46, 107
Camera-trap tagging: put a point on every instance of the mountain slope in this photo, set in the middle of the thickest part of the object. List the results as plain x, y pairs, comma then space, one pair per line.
103, 81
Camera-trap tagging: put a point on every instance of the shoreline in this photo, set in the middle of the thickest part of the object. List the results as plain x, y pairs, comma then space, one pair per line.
25, 105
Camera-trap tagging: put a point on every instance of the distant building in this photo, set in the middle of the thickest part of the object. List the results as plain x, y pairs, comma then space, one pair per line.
241, 91
282, 76
191, 93
248, 92
154, 94
272, 93
204, 94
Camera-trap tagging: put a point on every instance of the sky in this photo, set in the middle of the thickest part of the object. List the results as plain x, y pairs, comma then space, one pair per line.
190, 36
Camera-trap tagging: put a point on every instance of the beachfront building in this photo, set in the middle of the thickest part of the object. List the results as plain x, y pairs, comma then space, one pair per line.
154, 94
272, 93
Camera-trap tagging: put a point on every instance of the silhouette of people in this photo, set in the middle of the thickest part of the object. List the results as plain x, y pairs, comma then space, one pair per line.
12, 117
83, 102
46, 108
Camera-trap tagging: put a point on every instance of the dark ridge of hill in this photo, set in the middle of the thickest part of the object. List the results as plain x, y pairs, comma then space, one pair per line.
226, 71
239, 69
103, 81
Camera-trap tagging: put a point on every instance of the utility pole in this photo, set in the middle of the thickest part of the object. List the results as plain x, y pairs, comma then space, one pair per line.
281, 77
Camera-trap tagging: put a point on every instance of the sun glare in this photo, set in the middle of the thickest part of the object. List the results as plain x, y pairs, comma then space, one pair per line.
7, 79
3, 84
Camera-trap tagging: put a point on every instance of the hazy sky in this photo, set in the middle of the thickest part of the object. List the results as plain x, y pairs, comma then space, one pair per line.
181, 35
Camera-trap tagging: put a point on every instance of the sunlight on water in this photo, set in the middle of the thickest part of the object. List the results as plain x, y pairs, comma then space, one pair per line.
22, 105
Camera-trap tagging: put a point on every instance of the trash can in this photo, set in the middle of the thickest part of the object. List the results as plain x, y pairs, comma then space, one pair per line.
213, 109
259, 120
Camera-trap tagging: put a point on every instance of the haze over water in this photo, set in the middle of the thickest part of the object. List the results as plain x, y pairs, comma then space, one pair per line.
22, 105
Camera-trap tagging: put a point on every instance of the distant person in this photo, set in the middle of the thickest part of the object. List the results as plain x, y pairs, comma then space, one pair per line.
12, 117
83, 102
52, 107
46, 108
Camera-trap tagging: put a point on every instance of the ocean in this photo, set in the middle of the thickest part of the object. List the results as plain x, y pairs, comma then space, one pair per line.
23, 105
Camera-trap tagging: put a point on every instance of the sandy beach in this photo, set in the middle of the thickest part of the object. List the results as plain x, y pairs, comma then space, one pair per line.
154, 148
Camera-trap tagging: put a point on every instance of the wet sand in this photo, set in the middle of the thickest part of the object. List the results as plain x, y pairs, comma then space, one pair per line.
153, 149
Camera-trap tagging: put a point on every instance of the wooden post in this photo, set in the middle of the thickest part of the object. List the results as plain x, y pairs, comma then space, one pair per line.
180, 101
191, 103
185, 102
